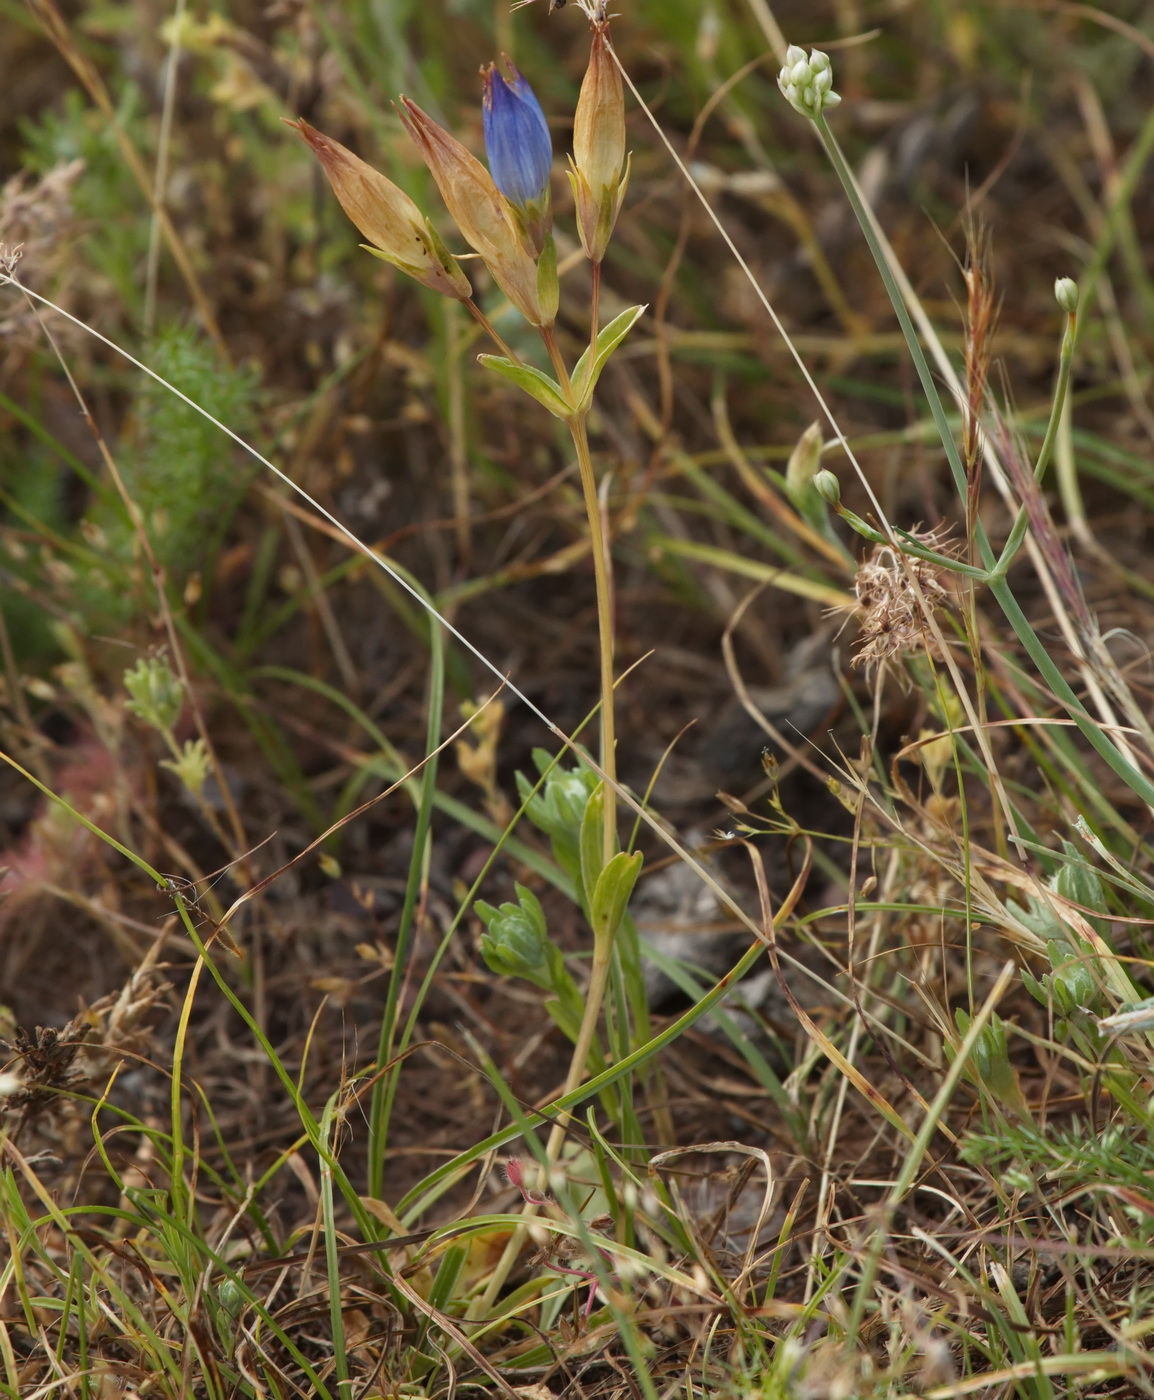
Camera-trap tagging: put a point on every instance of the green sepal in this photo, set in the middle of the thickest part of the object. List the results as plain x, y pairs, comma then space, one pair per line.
587, 372
419, 271
611, 894
546, 391
409, 269
548, 284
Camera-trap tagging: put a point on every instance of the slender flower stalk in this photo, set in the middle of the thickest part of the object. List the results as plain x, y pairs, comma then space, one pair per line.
603, 582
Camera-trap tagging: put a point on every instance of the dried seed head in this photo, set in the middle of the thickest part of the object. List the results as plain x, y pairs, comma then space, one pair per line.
891, 614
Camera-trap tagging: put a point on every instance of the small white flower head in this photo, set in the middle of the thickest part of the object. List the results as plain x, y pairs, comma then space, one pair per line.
1066, 294
807, 81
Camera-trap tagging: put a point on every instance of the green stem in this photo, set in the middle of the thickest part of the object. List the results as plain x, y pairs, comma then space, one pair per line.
549, 336
602, 961
604, 585
908, 545
595, 309
1018, 532
602, 947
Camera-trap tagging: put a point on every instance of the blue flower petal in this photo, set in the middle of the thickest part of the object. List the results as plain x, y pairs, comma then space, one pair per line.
517, 139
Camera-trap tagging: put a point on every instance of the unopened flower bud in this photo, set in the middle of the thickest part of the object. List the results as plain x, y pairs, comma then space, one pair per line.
520, 150
827, 486
386, 216
516, 943
479, 210
807, 82
1066, 294
599, 168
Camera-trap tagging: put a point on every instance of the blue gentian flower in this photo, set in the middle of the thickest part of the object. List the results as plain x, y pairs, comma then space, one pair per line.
519, 147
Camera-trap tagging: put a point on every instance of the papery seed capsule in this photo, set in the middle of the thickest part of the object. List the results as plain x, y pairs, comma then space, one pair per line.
599, 168
386, 216
479, 210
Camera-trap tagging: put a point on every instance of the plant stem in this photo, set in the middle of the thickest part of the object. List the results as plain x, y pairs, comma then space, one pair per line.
549, 336
602, 947
907, 545
603, 581
595, 309
579, 1064
487, 325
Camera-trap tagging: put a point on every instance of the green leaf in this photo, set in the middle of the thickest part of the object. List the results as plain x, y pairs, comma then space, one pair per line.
1080, 884
545, 390
611, 894
561, 1014
444, 1289
592, 842
586, 373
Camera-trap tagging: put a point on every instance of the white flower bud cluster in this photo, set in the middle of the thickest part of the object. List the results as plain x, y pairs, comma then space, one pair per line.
807, 82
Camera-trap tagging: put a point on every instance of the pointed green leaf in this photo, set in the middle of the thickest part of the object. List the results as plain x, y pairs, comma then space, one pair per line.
545, 390
586, 373
611, 894
592, 841
444, 1289
1081, 884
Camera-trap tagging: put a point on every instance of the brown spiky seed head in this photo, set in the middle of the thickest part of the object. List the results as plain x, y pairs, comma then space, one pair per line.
893, 620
